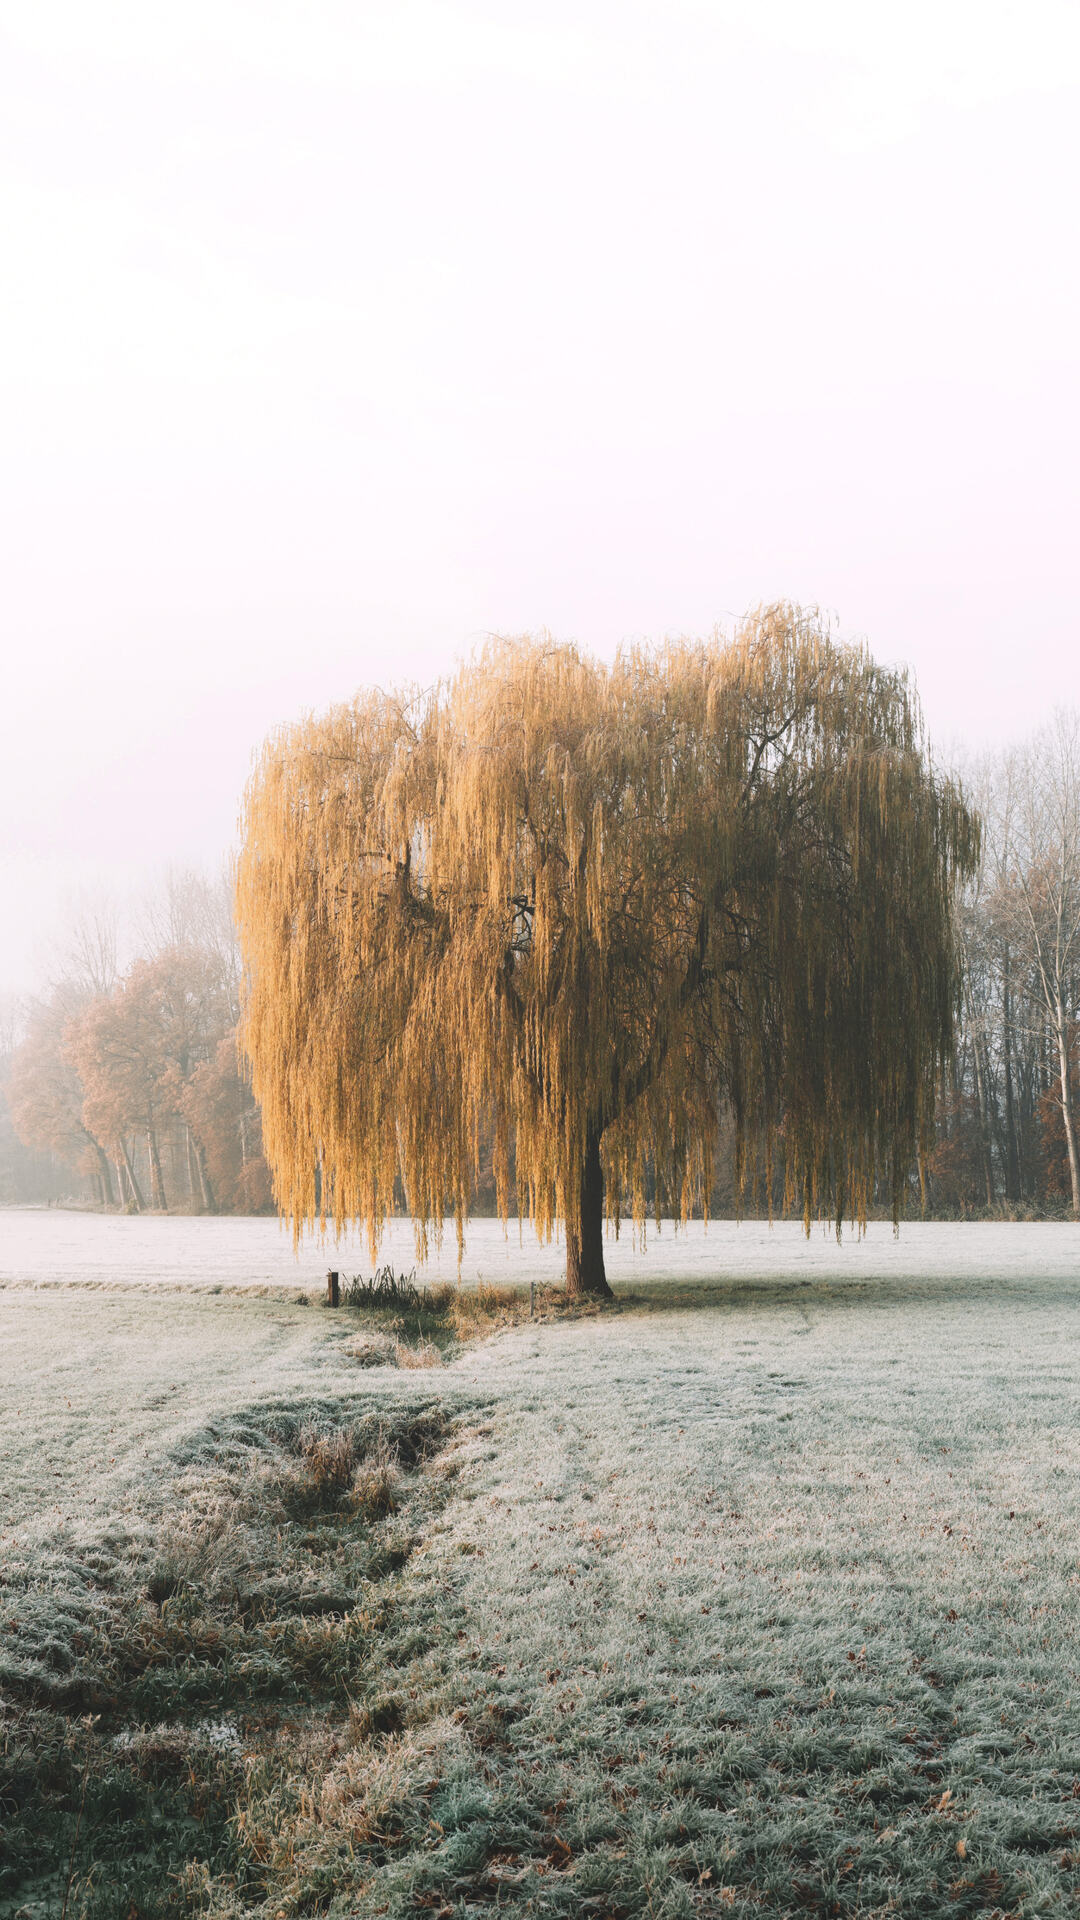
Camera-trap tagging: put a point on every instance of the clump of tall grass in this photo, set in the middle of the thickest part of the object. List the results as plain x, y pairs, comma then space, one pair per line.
483, 1309
429, 1322
372, 1350
330, 1459
387, 1292
424, 1354
412, 1321
204, 1541
376, 1484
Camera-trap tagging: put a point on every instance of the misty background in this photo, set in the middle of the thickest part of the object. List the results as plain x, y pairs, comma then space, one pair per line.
335, 336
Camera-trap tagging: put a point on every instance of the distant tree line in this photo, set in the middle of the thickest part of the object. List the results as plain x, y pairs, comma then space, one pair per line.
1007, 1118
122, 1087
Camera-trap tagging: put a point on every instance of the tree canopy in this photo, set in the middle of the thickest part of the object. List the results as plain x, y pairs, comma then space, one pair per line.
578, 909
130, 1079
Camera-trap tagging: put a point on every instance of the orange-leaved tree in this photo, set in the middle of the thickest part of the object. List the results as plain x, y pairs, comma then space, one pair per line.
45, 1093
582, 908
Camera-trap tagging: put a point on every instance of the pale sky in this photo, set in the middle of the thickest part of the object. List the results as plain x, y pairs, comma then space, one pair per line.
334, 336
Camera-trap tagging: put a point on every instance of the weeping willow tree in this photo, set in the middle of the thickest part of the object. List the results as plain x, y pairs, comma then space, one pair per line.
578, 910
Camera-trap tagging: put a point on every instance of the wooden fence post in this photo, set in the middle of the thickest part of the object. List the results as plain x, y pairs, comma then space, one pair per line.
333, 1290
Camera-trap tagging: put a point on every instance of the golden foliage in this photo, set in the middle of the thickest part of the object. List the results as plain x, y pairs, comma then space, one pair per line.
569, 903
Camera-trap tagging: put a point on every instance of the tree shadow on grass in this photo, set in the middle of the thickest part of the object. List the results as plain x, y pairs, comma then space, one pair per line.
781, 1293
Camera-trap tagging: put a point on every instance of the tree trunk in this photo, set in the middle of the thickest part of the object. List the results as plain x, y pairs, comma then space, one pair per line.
104, 1178
585, 1276
1067, 1116
200, 1172
135, 1197
195, 1192
157, 1182
1012, 1148
985, 1154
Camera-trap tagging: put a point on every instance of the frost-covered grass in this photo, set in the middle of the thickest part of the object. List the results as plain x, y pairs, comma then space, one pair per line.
752, 1599
40, 1247
96, 1388
177, 1663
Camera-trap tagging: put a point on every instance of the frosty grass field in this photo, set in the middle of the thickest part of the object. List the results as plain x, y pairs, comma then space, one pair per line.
758, 1594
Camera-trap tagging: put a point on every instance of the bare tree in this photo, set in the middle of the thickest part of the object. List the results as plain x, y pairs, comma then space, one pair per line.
1045, 896
89, 958
194, 911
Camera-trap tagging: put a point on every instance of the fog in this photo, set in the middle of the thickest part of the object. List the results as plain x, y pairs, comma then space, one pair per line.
334, 337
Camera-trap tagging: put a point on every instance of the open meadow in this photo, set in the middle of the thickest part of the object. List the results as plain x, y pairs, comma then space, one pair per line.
758, 1593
